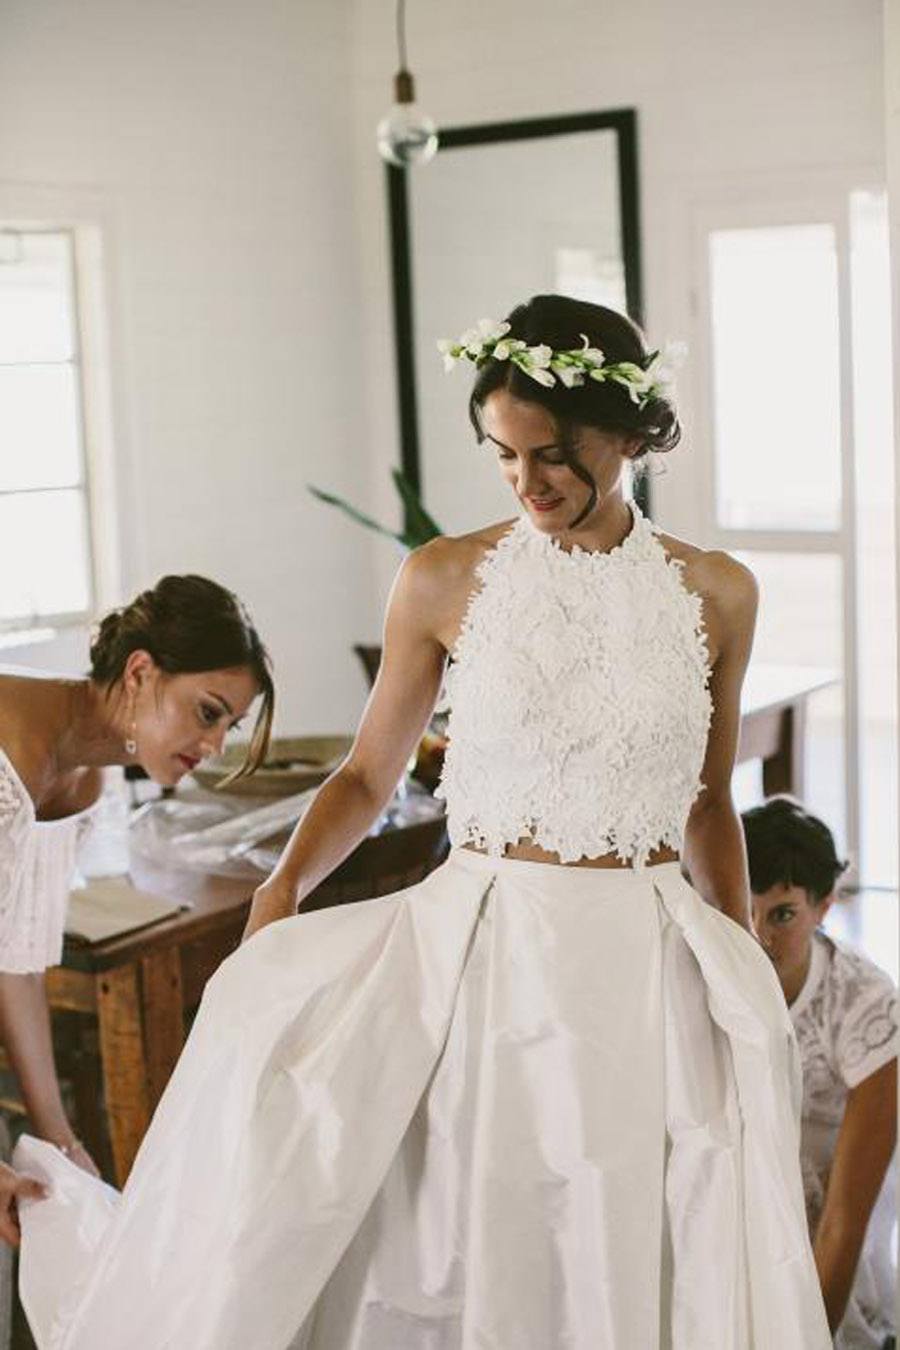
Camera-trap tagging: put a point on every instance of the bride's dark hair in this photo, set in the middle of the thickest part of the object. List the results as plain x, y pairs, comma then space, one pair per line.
559, 322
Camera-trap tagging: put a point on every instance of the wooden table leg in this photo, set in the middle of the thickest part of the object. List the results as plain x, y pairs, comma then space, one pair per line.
119, 1011
87, 1091
783, 771
163, 1017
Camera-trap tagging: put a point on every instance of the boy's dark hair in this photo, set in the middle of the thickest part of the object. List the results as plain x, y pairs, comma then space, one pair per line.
788, 846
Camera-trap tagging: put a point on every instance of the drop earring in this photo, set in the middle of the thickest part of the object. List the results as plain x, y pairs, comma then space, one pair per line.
131, 741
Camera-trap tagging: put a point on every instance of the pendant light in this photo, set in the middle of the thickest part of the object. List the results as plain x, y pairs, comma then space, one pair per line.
406, 135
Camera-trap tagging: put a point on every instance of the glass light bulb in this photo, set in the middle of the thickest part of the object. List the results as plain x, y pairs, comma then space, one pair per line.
406, 136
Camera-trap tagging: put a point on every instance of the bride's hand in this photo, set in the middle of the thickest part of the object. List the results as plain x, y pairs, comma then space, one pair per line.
272, 900
13, 1188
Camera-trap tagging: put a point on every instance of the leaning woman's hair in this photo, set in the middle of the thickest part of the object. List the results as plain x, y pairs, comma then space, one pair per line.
560, 322
787, 846
189, 624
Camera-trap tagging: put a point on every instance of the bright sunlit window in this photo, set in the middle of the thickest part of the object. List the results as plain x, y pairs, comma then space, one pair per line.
45, 552
806, 495
776, 371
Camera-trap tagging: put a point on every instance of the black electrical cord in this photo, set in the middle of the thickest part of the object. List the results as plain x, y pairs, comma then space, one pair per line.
401, 33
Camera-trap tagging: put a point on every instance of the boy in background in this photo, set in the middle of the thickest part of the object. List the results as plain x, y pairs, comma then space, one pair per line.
844, 1011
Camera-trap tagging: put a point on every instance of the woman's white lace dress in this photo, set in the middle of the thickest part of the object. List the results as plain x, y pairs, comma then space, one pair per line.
516, 1107
37, 863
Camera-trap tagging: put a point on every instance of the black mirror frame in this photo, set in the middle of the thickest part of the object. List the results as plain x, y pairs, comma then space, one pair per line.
623, 122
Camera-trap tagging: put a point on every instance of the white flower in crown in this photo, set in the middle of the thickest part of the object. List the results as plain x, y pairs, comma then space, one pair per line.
637, 381
447, 351
488, 339
570, 376
472, 343
541, 356
664, 366
541, 375
485, 332
506, 348
588, 354
535, 362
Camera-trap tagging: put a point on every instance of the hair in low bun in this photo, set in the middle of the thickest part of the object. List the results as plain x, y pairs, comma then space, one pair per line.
119, 633
188, 624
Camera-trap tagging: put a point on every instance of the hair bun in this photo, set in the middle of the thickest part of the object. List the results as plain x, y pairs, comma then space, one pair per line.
105, 642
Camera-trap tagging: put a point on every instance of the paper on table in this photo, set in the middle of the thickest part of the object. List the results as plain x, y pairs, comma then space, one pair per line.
109, 906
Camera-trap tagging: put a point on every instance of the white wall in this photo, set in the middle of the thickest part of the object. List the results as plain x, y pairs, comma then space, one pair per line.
729, 97
231, 150
216, 140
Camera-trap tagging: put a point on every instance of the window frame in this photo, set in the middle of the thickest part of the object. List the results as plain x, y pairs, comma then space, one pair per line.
67, 618
88, 219
817, 199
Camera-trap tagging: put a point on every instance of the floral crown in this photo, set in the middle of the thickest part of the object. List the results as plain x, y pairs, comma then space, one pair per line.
571, 367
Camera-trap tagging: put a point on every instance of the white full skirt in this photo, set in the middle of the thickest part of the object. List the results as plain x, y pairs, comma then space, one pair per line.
516, 1107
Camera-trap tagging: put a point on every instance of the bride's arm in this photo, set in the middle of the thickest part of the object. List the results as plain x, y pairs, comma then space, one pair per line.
714, 851
398, 710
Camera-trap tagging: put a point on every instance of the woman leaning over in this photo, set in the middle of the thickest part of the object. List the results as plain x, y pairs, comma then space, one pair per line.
170, 673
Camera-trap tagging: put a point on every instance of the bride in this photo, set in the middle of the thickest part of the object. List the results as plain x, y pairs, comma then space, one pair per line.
548, 1097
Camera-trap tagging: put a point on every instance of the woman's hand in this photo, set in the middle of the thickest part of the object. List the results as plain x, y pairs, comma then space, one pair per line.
76, 1152
273, 900
14, 1186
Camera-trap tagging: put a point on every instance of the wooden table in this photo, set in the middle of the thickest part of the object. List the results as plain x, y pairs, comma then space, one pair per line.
773, 721
139, 986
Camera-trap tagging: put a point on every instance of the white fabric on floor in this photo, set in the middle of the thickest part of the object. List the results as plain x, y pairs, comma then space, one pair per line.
516, 1107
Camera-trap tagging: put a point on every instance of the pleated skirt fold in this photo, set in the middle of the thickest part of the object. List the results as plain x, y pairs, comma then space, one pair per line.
516, 1107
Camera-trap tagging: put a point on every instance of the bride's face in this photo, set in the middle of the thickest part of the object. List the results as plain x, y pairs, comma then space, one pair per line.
526, 441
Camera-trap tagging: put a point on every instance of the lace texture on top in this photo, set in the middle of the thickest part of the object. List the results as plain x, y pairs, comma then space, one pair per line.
37, 861
579, 700
846, 1020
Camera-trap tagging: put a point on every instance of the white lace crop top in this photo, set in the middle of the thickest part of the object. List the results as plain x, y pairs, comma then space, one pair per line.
579, 700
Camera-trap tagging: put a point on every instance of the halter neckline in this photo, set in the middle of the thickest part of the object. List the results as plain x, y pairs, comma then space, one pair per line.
640, 526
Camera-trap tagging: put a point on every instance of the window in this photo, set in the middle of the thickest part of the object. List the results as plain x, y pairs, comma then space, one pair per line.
776, 372
876, 612
796, 326
45, 549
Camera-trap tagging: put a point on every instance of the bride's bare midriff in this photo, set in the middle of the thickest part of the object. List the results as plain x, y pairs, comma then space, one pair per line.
526, 852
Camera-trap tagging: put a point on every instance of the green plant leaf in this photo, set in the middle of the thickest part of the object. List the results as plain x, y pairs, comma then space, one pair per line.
420, 525
356, 515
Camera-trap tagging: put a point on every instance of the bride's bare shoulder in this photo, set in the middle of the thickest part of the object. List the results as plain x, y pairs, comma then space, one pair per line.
436, 581
726, 586
712, 572
453, 559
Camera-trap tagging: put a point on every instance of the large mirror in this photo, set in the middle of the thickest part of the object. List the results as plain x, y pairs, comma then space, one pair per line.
505, 210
